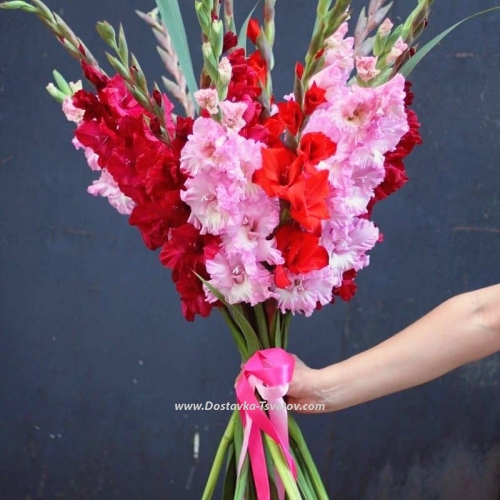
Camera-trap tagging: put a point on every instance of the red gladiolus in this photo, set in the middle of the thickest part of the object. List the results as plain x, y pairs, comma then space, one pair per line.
93, 75
348, 288
395, 173
319, 53
308, 201
156, 218
315, 147
186, 253
301, 251
257, 62
253, 30
281, 168
299, 70
275, 128
291, 115
244, 84
230, 41
315, 96
186, 246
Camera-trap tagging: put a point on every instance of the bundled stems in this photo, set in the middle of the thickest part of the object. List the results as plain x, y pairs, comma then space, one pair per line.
302, 451
220, 455
270, 328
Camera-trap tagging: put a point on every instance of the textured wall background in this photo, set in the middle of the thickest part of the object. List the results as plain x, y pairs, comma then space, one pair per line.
94, 351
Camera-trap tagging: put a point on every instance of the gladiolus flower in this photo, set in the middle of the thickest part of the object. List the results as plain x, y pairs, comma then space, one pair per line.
315, 96
301, 250
253, 30
315, 147
291, 115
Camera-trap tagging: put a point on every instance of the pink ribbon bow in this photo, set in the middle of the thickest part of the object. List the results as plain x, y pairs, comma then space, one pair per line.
270, 372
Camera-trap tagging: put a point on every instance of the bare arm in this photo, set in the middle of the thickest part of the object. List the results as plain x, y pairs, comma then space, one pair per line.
461, 330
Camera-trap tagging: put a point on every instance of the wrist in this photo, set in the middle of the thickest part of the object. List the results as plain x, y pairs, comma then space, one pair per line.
327, 387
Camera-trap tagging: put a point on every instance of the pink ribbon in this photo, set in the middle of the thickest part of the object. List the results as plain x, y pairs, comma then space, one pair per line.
270, 372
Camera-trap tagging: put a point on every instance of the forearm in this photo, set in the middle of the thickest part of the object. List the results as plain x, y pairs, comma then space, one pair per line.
463, 329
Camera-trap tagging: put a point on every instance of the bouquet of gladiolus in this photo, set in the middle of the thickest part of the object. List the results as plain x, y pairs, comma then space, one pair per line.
261, 206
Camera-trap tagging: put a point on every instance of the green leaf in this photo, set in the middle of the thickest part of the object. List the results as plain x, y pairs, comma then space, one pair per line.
303, 480
278, 340
230, 477
243, 324
262, 327
242, 482
235, 332
271, 474
413, 61
172, 19
242, 37
225, 444
306, 458
285, 329
238, 437
281, 465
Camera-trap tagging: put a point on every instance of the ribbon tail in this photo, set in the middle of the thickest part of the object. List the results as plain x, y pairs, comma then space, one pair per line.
244, 447
259, 467
279, 418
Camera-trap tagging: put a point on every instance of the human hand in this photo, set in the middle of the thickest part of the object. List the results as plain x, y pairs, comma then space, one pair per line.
304, 391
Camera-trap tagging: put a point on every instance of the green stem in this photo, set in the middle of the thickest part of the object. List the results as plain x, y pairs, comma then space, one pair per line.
285, 328
262, 328
303, 450
303, 479
226, 440
284, 472
236, 333
278, 340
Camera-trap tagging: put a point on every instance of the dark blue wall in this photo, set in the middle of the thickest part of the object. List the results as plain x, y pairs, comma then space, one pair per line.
94, 350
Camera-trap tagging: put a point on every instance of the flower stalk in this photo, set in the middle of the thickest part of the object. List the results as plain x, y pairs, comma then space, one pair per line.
227, 440
377, 12
327, 22
269, 24
213, 40
72, 44
178, 86
229, 16
128, 67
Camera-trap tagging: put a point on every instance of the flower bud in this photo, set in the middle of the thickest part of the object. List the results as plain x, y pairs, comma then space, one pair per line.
17, 4
208, 99
396, 50
385, 28
253, 30
106, 32
217, 37
55, 93
225, 71
367, 68
206, 49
